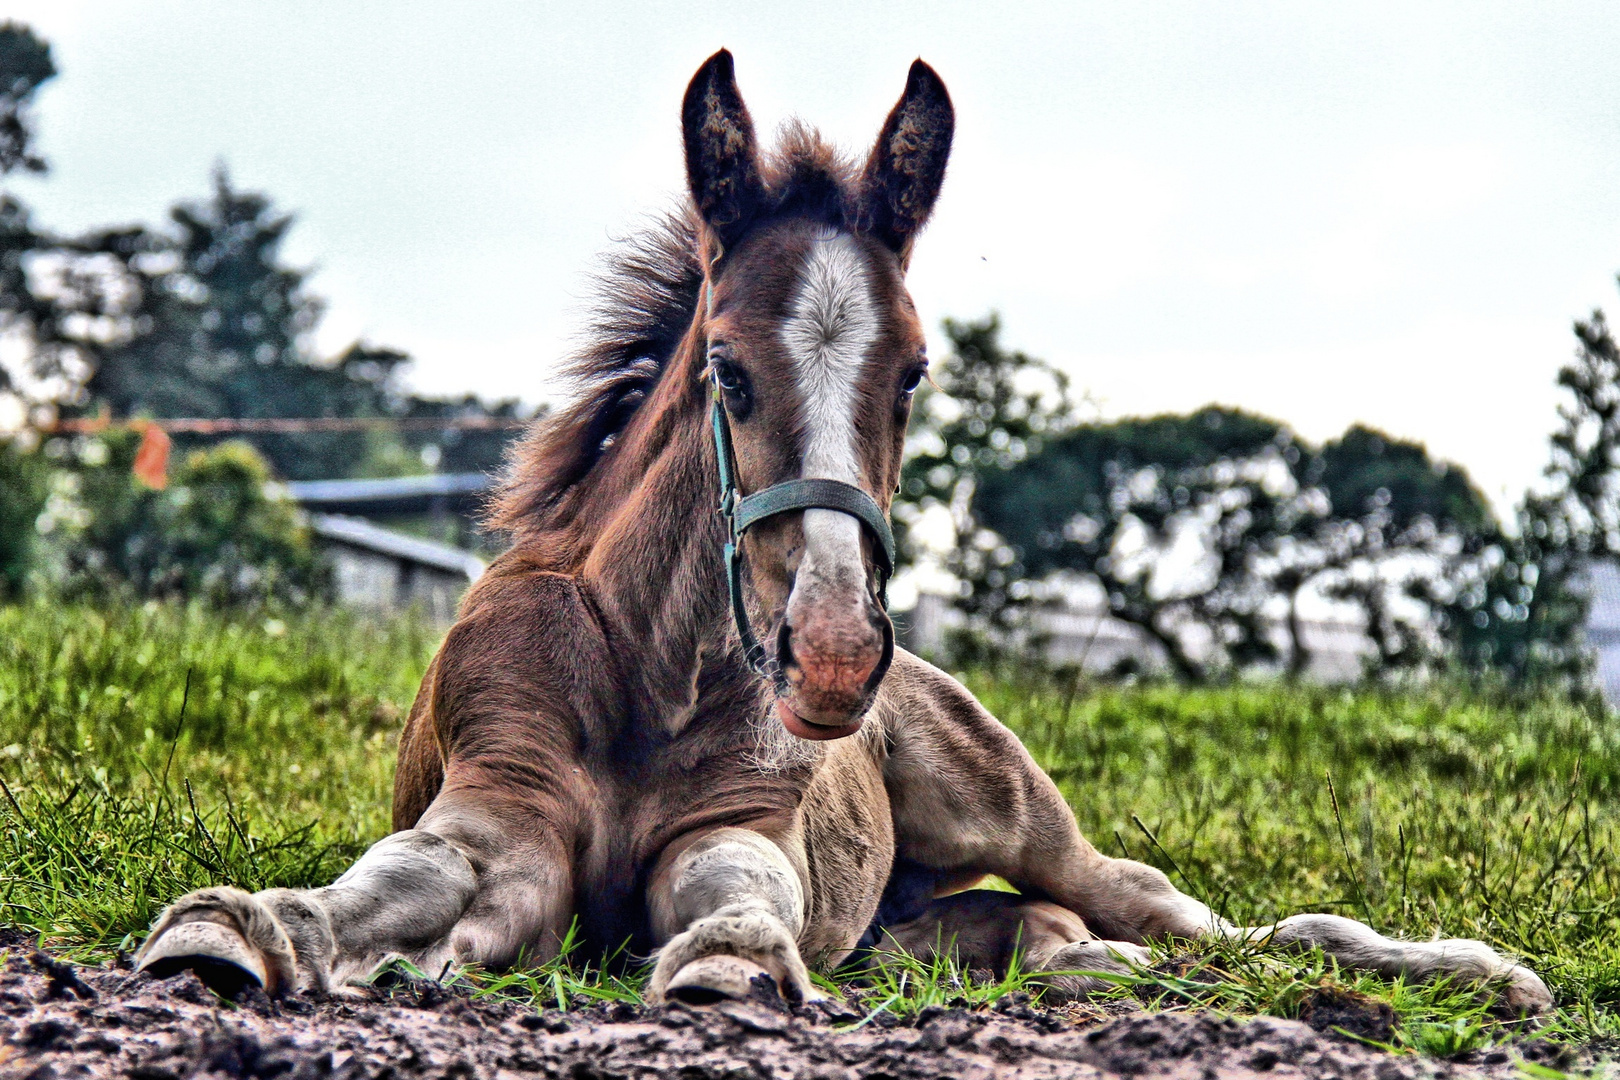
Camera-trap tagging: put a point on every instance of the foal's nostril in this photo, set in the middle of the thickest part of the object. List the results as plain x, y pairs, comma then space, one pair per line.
784, 646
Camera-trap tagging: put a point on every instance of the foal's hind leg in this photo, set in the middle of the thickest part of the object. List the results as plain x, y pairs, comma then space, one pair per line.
981, 929
468, 885
967, 796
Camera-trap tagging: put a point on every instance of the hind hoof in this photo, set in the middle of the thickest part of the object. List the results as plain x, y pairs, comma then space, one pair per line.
210, 944
712, 979
1526, 994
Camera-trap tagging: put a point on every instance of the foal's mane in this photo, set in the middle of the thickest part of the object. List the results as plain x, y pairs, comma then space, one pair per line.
646, 297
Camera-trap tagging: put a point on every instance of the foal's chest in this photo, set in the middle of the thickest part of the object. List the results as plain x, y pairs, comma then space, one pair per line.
638, 809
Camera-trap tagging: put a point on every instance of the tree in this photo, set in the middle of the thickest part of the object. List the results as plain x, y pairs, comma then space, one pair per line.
25, 65
1114, 503
212, 534
207, 320
1404, 529
1523, 615
23, 479
1203, 531
985, 410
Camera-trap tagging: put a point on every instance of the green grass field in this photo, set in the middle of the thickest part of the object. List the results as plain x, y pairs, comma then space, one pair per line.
151, 750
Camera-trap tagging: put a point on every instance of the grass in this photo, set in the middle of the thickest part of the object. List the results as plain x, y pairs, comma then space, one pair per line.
147, 751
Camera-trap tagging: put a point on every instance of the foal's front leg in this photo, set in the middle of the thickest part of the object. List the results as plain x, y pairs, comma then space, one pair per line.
473, 883
729, 906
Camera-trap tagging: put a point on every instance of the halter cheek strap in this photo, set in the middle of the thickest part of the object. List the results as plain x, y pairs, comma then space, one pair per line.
741, 512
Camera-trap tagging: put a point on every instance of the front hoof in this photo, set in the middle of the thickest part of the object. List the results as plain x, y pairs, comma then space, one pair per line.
224, 935
215, 952
715, 958
713, 979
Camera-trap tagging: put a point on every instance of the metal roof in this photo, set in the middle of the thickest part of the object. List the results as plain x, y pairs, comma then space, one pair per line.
362, 534
394, 495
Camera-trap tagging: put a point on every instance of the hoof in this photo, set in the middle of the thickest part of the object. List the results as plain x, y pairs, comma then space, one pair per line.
214, 949
712, 979
1526, 994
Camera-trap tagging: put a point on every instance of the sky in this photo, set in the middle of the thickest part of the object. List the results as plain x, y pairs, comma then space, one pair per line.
1377, 213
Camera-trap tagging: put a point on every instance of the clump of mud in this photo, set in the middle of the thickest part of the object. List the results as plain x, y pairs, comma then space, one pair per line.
59, 1021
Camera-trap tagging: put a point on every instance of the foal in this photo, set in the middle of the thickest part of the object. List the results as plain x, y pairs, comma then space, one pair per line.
691, 731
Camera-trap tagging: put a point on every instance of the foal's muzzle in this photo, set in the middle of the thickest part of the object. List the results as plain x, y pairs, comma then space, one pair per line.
832, 658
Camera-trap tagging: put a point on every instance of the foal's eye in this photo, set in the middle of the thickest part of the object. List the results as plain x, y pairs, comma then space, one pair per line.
914, 379
729, 376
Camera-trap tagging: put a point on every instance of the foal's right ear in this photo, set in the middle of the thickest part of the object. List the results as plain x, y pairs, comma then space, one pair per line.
722, 158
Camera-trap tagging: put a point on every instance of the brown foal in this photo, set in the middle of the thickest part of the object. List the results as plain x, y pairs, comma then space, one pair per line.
596, 744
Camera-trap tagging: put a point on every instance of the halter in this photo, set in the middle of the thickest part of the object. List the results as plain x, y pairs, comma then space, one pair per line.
741, 512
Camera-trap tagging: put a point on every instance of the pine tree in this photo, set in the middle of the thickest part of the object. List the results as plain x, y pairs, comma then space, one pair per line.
1523, 615
211, 322
25, 65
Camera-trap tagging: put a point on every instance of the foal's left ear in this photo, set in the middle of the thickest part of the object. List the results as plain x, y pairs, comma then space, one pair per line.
722, 158
907, 166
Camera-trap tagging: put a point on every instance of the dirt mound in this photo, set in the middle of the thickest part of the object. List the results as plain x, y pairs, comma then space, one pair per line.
58, 1022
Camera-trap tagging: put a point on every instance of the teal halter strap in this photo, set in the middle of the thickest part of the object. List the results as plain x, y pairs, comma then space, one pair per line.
741, 512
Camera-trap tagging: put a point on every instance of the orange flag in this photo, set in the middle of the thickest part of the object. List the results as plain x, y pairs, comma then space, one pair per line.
152, 459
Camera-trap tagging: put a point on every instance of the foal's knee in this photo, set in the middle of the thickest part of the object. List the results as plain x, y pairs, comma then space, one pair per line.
406, 891
727, 868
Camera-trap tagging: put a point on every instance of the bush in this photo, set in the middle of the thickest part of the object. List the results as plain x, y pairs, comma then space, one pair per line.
213, 534
22, 496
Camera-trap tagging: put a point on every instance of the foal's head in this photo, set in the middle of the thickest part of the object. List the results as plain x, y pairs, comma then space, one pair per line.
816, 350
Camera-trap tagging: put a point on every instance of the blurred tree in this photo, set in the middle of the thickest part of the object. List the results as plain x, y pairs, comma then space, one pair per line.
984, 410
208, 321
25, 65
205, 319
1404, 529
23, 477
1523, 614
1204, 531
1169, 515
211, 322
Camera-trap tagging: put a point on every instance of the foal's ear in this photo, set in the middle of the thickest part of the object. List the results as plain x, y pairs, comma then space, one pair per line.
722, 159
907, 166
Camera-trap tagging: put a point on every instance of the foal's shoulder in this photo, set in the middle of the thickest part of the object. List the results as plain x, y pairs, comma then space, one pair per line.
527, 642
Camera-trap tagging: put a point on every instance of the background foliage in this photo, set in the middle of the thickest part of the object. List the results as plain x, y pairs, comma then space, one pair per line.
215, 534
202, 318
1042, 503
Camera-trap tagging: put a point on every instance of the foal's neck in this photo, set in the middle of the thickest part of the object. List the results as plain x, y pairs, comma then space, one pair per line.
654, 566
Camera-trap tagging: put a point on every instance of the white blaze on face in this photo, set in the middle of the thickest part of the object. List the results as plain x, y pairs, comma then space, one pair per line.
829, 332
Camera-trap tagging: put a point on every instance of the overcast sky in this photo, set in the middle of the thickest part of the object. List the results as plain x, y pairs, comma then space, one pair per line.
1327, 213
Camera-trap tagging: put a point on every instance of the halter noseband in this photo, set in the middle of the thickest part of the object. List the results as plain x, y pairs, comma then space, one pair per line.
741, 512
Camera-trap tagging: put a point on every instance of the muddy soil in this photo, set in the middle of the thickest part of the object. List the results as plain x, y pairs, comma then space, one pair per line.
58, 1021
